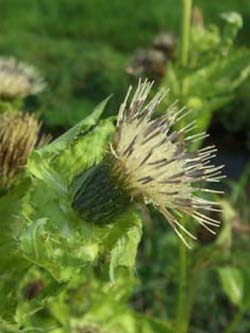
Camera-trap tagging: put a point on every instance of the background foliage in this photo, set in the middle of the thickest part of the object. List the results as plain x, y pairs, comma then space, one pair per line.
83, 49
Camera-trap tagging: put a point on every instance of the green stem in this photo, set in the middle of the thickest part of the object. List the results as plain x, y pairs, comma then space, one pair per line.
186, 19
182, 290
181, 318
190, 297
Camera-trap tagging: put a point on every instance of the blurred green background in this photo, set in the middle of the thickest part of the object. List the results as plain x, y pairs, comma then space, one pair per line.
82, 47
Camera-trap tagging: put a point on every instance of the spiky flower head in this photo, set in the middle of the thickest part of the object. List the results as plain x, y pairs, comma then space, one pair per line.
19, 134
18, 79
149, 163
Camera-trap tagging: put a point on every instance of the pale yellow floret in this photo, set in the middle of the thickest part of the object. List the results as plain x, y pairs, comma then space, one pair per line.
152, 157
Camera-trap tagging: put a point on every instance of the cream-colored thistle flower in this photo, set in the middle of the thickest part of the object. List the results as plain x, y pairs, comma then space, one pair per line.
19, 135
18, 79
149, 163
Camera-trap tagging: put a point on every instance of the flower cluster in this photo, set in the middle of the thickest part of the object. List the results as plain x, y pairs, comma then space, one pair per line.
19, 134
18, 79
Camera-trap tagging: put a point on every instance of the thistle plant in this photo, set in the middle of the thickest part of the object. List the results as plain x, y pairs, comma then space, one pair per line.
148, 163
70, 226
19, 135
84, 233
18, 79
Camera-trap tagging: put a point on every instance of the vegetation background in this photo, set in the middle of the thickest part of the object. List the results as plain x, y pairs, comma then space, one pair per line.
83, 47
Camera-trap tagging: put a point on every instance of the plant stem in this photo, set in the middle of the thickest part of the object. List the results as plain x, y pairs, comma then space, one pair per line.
181, 320
192, 283
186, 19
181, 305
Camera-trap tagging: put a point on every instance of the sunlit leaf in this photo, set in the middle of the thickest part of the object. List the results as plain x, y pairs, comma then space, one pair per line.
232, 283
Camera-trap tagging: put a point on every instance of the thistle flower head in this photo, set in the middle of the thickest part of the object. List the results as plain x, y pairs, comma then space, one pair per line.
149, 162
18, 79
147, 62
151, 157
19, 134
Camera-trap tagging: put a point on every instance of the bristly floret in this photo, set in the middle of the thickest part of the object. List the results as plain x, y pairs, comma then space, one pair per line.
151, 157
19, 135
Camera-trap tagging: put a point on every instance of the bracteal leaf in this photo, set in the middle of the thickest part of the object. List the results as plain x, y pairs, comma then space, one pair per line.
232, 284
80, 129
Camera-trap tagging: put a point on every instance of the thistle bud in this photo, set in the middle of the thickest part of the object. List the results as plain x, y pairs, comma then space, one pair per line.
166, 43
150, 62
197, 17
99, 194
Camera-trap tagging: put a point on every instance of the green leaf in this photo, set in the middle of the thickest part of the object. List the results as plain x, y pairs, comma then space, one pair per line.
246, 275
152, 325
221, 76
84, 152
233, 18
124, 241
224, 239
232, 283
12, 264
234, 23
80, 129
